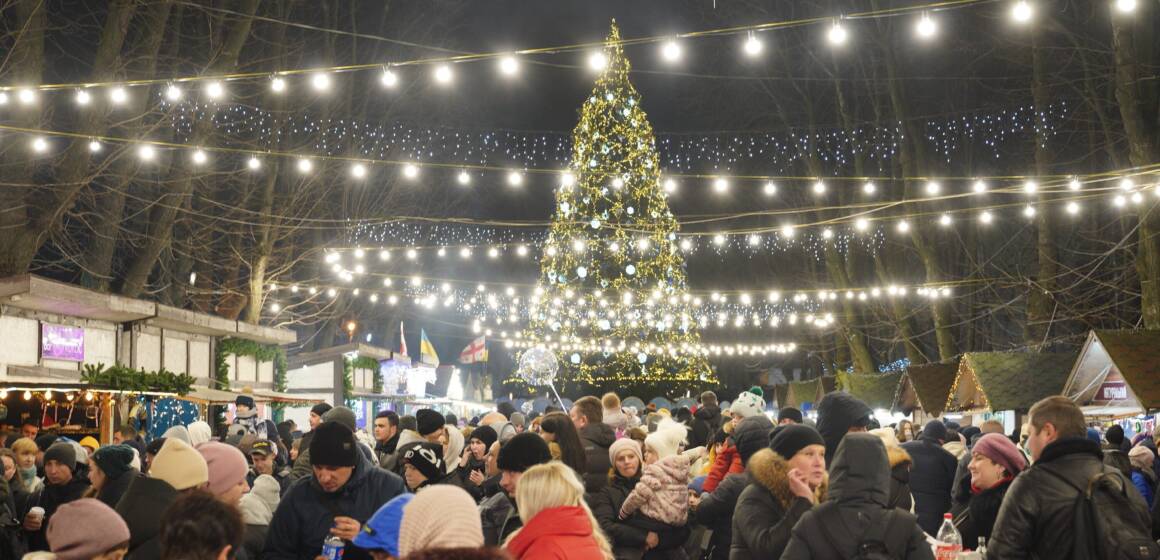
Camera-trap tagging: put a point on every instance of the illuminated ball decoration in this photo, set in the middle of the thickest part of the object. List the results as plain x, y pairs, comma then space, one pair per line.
538, 366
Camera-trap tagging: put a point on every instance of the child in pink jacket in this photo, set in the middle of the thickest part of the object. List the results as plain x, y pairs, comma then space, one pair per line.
662, 495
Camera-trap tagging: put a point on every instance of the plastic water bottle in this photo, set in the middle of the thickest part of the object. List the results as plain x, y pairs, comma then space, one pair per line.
332, 548
950, 543
982, 548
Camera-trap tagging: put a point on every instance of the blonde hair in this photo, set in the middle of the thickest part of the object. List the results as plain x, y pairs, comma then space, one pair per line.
610, 401
551, 485
25, 446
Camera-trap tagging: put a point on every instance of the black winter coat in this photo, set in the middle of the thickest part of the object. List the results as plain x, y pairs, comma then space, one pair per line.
932, 477
627, 536
306, 513
499, 518
597, 438
1035, 520
706, 421
859, 487
900, 496
716, 512
50, 498
975, 516
766, 510
115, 488
141, 507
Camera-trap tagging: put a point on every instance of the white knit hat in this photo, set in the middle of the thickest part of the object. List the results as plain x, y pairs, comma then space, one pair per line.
748, 404
667, 439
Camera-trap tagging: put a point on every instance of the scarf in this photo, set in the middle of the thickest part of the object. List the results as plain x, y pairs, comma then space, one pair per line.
975, 490
28, 476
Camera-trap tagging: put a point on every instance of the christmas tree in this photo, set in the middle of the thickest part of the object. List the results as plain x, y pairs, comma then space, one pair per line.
612, 300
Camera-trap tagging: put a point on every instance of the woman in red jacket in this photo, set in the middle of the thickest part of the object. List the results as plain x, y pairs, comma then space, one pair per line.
557, 523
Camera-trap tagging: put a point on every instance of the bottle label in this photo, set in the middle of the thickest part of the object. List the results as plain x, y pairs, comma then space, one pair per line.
947, 551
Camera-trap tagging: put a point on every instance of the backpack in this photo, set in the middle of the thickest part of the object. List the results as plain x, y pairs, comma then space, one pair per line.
1105, 523
885, 540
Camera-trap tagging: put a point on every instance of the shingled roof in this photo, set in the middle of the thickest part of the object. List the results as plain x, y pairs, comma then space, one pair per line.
932, 384
877, 391
1017, 380
802, 391
1135, 355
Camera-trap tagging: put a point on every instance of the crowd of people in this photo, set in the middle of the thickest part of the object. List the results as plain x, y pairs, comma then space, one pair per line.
596, 481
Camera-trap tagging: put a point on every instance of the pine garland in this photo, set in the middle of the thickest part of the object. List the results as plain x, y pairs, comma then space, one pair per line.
119, 377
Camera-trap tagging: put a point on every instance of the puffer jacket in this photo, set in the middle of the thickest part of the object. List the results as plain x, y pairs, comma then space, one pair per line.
932, 477
1145, 484
663, 492
900, 463
858, 492
706, 421
597, 437
499, 518
627, 536
559, 533
728, 462
306, 513
1035, 520
767, 510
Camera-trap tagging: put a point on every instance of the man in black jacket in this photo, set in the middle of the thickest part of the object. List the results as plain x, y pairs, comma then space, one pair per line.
386, 438
61, 486
345, 489
498, 515
1036, 518
706, 421
588, 416
932, 475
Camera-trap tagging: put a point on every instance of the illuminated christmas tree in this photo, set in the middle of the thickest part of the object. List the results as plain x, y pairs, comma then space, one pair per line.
612, 300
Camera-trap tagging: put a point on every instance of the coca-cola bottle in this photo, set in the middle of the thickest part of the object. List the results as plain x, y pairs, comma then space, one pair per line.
950, 542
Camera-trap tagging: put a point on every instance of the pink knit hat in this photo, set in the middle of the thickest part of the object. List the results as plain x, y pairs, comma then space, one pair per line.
999, 449
227, 466
624, 444
440, 516
85, 528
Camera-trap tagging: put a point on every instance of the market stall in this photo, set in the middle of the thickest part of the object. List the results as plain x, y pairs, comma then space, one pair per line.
931, 384
1004, 385
349, 374
877, 391
1117, 374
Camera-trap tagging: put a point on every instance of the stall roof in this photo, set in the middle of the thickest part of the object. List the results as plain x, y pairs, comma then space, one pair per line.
1134, 354
905, 398
932, 384
327, 354
34, 293
802, 391
1017, 380
877, 391
781, 392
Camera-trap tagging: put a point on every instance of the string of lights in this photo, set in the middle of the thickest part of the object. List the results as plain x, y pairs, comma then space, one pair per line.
837, 31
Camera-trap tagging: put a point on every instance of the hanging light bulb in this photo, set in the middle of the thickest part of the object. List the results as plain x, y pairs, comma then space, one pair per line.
358, 171
869, 188
320, 82
837, 34
1125, 6
979, 186
118, 95
770, 188
28, 395
277, 84
443, 74
926, 27
819, 188
1074, 184
862, 224
410, 171
389, 79
215, 90
1029, 211
39, 145
671, 50
670, 186
88, 396
1021, 11
254, 163
146, 152
26, 96
173, 93
464, 178
509, 66
94, 146
515, 178
1030, 187
944, 220
305, 165
986, 217
903, 226
933, 188
720, 185
1073, 208
47, 394
199, 156
83, 98
597, 61
753, 45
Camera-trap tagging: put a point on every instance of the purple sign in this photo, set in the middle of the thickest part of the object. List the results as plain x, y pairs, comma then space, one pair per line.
58, 342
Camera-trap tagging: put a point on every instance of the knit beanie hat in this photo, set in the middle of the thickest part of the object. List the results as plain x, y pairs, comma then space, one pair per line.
429, 421
523, 452
381, 531
441, 516
85, 528
342, 415
114, 460
179, 465
791, 413
518, 419
91, 443
426, 457
199, 433
787, 440
1115, 435
177, 432
750, 403
935, 429
227, 466
244, 400
1141, 457
333, 445
63, 453
751, 435
666, 441
486, 435
320, 409
1003, 452
624, 444
44, 441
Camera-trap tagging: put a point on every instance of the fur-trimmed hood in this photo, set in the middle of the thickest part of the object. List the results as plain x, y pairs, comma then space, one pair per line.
897, 456
769, 470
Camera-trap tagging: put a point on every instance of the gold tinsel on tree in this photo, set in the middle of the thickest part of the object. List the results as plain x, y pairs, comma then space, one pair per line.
613, 301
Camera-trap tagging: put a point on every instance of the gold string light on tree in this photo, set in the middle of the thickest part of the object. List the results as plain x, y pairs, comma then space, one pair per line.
613, 234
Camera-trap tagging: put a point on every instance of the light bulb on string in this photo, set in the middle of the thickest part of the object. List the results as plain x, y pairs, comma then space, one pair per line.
1030, 187
1125, 6
515, 178
443, 74
118, 95
199, 157
358, 171
979, 186
1022, 11
277, 84
720, 185
215, 90
83, 98
670, 186
1119, 201
986, 217
146, 153
305, 165
933, 188
1127, 184
3, 98
819, 188
903, 226
27, 395
1074, 184
753, 46
389, 79
26, 96
869, 188
861, 224
94, 146
173, 93
320, 82
509, 66
39, 145
464, 178
944, 220
1137, 198
597, 61
1072, 208
410, 171
770, 188
254, 163
837, 34
671, 50
1029, 211
926, 27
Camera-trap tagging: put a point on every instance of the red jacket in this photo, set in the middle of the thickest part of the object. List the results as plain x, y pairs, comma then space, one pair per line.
560, 533
728, 462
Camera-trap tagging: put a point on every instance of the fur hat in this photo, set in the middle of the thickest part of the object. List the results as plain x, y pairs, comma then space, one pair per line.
750, 403
667, 440
179, 465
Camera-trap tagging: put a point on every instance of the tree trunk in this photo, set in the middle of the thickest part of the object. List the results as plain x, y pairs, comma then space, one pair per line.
1041, 291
